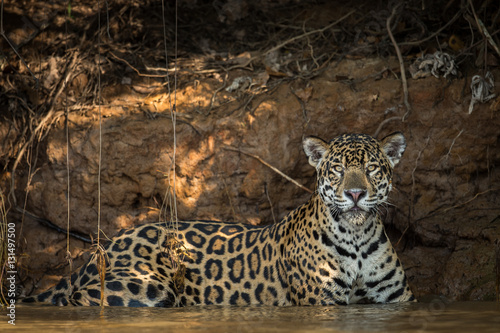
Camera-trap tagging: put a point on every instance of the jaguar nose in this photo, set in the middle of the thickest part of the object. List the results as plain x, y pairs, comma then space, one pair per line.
355, 194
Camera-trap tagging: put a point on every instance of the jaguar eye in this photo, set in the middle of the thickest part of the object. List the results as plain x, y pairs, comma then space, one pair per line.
338, 168
371, 167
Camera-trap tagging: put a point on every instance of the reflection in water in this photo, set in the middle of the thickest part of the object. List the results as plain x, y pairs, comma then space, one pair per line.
434, 316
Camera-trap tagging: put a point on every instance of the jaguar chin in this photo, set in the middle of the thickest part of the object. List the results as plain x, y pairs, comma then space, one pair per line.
357, 217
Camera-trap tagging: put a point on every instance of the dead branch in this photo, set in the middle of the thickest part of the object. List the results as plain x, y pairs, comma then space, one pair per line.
269, 166
471, 199
212, 100
483, 29
279, 46
448, 154
382, 124
270, 202
293, 39
401, 62
418, 42
136, 70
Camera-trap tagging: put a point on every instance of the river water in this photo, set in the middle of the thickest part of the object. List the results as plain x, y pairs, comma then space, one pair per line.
434, 316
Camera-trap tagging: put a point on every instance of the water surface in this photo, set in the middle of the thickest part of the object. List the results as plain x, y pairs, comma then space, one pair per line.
434, 316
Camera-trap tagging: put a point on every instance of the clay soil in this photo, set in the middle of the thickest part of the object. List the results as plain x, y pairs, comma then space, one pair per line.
246, 82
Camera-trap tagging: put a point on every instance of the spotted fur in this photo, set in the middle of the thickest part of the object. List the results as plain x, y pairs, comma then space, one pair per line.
331, 250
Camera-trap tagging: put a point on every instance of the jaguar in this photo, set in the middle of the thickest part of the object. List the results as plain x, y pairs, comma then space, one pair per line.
332, 250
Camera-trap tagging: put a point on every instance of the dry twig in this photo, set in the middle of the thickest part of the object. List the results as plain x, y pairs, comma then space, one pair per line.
293, 39
382, 124
270, 202
401, 62
212, 100
448, 154
483, 29
269, 166
421, 41
471, 199
412, 195
136, 70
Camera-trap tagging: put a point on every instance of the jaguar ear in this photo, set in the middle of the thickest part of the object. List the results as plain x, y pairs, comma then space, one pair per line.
394, 146
314, 148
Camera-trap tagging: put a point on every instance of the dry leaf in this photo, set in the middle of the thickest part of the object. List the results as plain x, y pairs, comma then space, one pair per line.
304, 94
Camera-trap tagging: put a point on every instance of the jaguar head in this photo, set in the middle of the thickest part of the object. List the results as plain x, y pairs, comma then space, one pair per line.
354, 172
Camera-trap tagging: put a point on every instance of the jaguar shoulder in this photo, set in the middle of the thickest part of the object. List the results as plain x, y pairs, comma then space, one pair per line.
331, 250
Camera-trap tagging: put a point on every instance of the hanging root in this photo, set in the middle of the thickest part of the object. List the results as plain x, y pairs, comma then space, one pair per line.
401, 62
100, 256
176, 252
